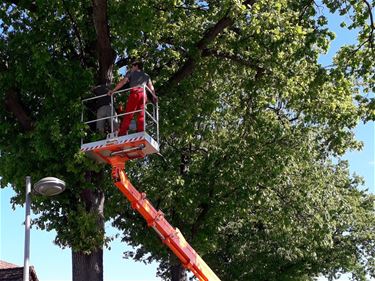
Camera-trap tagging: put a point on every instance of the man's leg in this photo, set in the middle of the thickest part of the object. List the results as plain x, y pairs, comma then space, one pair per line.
141, 114
131, 105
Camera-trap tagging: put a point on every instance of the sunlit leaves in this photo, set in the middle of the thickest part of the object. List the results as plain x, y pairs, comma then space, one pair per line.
246, 139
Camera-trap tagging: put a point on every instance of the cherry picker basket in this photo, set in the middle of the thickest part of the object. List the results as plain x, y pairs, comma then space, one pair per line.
102, 146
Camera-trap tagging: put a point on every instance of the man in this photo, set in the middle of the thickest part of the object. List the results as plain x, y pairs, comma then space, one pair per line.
136, 100
104, 109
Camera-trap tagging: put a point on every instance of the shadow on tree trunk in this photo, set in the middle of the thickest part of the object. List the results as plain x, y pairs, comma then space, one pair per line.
178, 272
87, 267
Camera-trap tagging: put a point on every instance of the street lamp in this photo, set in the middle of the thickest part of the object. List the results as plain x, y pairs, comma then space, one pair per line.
48, 187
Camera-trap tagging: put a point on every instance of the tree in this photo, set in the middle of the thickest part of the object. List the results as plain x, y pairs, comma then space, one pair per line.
248, 153
241, 91
50, 56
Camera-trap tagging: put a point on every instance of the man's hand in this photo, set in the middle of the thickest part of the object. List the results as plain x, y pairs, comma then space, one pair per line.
154, 98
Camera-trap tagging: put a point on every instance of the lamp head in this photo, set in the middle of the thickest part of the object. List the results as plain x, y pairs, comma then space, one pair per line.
49, 186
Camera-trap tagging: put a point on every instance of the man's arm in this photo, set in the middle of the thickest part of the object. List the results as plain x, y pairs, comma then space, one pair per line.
119, 85
152, 90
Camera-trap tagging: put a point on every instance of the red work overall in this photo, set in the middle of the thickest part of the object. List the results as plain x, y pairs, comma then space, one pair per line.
135, 102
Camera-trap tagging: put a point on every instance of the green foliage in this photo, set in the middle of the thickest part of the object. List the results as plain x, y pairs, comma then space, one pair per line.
247, 139
246, 174
51, 85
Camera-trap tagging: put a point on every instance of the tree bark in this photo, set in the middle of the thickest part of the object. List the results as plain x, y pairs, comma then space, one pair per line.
178, 272
14, 105
87, 267
28, 5
208, 37
105, 52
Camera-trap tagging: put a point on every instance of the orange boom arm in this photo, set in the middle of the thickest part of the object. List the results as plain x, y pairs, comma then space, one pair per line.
170, 236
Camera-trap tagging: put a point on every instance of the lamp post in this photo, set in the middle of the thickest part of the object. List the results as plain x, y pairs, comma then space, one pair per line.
48, 187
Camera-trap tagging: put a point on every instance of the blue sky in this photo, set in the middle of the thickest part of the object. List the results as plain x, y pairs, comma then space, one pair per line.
53, 263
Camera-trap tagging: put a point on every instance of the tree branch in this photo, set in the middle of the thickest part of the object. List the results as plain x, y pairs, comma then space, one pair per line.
123, 62
189, 66
3, 64
187, 8
209, 36
32, 7
235, 58
204, 208
15, 106
371, 38
304, 9
76, 31
106, 54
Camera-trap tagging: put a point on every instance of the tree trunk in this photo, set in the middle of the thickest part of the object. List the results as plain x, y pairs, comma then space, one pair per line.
87, 267
106, 54
178, 272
